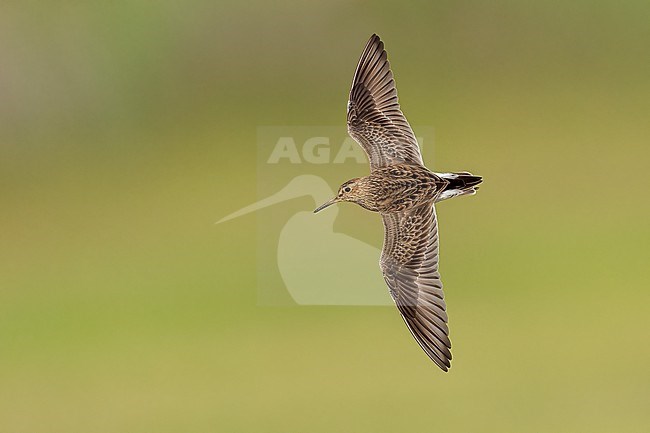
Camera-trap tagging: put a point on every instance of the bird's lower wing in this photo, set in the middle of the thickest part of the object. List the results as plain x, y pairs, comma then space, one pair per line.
409, 263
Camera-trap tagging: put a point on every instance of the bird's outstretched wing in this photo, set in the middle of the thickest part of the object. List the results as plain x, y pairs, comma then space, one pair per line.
409, 262
374, 117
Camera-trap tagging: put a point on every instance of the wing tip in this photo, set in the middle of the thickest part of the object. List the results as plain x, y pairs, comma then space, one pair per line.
440, 357
374, 42
442, 361
443, 364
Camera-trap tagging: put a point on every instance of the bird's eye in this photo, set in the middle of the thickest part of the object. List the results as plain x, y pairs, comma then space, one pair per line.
346, 189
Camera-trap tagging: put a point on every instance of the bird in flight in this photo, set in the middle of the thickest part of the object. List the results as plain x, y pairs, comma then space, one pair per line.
404, 192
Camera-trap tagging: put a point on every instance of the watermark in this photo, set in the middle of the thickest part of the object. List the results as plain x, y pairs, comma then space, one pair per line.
329, 258
315, 150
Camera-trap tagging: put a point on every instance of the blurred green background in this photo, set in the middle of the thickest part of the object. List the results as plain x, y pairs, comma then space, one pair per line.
127, 128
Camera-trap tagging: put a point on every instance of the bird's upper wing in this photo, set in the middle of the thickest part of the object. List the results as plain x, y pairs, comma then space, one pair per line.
374, 117
409, 262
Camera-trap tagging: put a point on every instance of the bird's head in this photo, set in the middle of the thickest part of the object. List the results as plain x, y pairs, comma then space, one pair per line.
349, 191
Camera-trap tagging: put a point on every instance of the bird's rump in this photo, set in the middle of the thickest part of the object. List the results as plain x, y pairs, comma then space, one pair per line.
374, 117
409, 263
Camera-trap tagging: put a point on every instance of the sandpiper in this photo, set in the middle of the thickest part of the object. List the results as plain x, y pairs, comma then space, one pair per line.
403, 191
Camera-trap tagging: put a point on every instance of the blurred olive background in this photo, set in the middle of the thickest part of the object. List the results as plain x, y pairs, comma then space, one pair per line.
127, 128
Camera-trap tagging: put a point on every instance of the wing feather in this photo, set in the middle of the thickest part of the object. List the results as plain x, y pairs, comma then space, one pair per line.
375, 120
409, 263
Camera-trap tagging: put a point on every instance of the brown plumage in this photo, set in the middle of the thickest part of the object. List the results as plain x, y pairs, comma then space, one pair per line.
403, 191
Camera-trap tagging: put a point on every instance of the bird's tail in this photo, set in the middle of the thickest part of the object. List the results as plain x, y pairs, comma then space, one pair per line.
461, 183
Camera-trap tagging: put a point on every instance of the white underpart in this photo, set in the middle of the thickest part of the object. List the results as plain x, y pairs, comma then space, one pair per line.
455, 192
449, 194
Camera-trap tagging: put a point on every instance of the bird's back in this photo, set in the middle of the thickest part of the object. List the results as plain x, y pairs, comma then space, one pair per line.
400, 187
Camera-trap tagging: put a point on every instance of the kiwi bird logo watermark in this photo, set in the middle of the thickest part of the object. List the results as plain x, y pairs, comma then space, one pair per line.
305, 258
